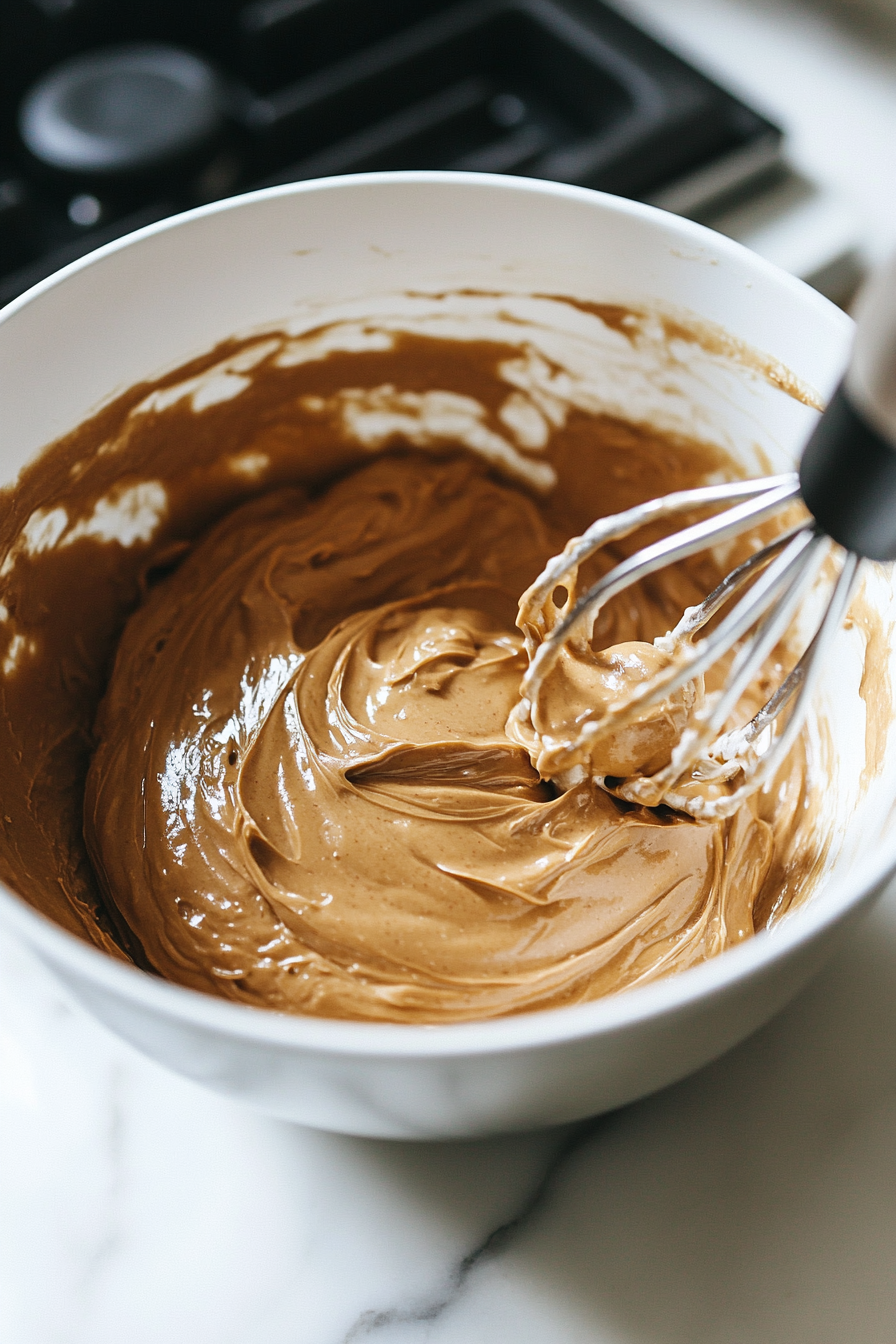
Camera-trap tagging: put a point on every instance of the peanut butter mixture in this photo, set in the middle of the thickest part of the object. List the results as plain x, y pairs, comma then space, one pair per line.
276, 689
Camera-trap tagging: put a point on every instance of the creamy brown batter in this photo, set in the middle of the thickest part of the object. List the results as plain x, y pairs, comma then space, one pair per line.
580, 689
302, 793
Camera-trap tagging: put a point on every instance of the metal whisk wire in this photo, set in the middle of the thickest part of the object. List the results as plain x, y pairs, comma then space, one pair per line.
618, 525
786, 568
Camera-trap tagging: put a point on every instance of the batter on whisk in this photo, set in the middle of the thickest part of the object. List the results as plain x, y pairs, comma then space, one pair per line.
638, 718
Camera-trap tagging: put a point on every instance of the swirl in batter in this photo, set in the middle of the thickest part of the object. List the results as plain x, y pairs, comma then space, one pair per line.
303, 794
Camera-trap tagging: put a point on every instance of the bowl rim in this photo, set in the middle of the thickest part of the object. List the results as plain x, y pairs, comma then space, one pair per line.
521, 1032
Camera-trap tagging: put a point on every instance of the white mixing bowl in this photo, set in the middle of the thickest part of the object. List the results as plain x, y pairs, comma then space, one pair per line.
161, 296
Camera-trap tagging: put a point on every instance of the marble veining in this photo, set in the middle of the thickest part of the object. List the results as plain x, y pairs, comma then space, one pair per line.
754, 1203
493, 1244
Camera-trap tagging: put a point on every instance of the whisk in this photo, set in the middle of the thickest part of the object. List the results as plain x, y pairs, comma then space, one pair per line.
847, 482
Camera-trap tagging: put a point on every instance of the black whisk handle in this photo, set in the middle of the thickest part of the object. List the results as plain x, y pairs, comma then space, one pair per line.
848, 480
848, 471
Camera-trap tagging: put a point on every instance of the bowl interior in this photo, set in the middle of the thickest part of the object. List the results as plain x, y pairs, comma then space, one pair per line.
716, 345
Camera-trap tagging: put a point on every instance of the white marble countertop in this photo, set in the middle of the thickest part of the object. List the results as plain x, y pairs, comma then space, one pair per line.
752, 1204
825, 76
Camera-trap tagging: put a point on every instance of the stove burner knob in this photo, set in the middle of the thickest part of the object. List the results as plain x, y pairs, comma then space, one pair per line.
121, 110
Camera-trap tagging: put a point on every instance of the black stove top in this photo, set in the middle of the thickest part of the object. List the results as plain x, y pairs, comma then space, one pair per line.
115, 113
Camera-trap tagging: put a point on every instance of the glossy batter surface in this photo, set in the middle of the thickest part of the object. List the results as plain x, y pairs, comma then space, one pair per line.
301, 790
304, 793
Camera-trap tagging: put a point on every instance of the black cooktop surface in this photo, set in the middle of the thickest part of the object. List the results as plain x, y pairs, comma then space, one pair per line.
115, 113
